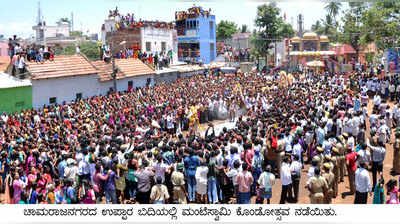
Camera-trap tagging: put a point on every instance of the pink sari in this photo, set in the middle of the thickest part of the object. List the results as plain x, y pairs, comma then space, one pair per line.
393, 197
17, 185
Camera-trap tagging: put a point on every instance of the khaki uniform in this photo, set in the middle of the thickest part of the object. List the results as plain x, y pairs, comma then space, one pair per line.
320, 158
178, 181
396, 156
341, 160
335, 171
330, 179
318, 188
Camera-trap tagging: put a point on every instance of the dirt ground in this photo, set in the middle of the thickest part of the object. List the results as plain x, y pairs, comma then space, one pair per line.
344, 186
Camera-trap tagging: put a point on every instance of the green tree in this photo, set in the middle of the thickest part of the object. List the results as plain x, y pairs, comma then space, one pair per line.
271, 28
353, 29
244, 29
90, 49
333, 9
382, 21
76, 34
225, 29
65, 20
317, 27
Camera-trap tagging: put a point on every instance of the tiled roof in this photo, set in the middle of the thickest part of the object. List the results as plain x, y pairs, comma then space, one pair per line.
4, 61
62, 66
126, 68
104, 70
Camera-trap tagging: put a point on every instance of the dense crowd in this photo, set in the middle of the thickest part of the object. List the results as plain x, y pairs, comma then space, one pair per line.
19, 54
236, 55
149, 145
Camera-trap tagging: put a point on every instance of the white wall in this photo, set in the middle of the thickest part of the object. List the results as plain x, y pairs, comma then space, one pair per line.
122, 84
109, 25
155, 36
65, 89
166, 77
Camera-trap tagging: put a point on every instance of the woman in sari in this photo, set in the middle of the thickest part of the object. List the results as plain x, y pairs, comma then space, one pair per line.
8, 192
18, 186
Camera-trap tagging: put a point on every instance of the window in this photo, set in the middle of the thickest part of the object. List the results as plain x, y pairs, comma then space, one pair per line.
53, 100
19, 104
78, 96
148, 46
163, 46
130, 84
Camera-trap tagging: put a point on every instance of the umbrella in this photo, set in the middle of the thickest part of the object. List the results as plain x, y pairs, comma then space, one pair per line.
315, 64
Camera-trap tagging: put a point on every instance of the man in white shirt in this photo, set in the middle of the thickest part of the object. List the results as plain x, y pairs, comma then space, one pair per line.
364, 156
377, 99
295, 169
384, 132
310, 172
286, 180
363, 185
298, 150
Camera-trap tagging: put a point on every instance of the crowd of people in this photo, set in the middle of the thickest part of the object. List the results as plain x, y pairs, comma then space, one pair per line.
158, 60
19, 54
236, 55
151, 145
128, 21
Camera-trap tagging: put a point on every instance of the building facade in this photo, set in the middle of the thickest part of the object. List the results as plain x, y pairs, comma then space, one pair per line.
147, 36
58, 34
196, 30
15, 94
309, 48
156, 40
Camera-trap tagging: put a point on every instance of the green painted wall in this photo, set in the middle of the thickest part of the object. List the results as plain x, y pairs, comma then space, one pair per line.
15, 99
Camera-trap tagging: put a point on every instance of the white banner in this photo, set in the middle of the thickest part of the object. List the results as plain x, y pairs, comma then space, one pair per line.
199, 214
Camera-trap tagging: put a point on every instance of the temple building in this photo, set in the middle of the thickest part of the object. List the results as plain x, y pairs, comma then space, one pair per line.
310, 47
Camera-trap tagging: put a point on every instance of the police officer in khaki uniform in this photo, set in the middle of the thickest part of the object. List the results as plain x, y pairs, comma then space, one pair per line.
318, 188
335, 170
330, 179
342, 148
328, 159
320, 156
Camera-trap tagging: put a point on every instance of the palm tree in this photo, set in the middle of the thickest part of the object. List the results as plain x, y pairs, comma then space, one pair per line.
244, 29
316, 27
333, 8
65, 20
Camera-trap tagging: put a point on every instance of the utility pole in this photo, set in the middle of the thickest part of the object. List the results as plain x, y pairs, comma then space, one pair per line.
288, 57
275, 57
114, 69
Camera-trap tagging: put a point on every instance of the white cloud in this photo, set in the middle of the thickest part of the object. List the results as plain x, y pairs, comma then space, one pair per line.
21, 29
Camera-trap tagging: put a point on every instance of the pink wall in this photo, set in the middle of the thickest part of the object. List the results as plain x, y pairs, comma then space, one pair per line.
3, 49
